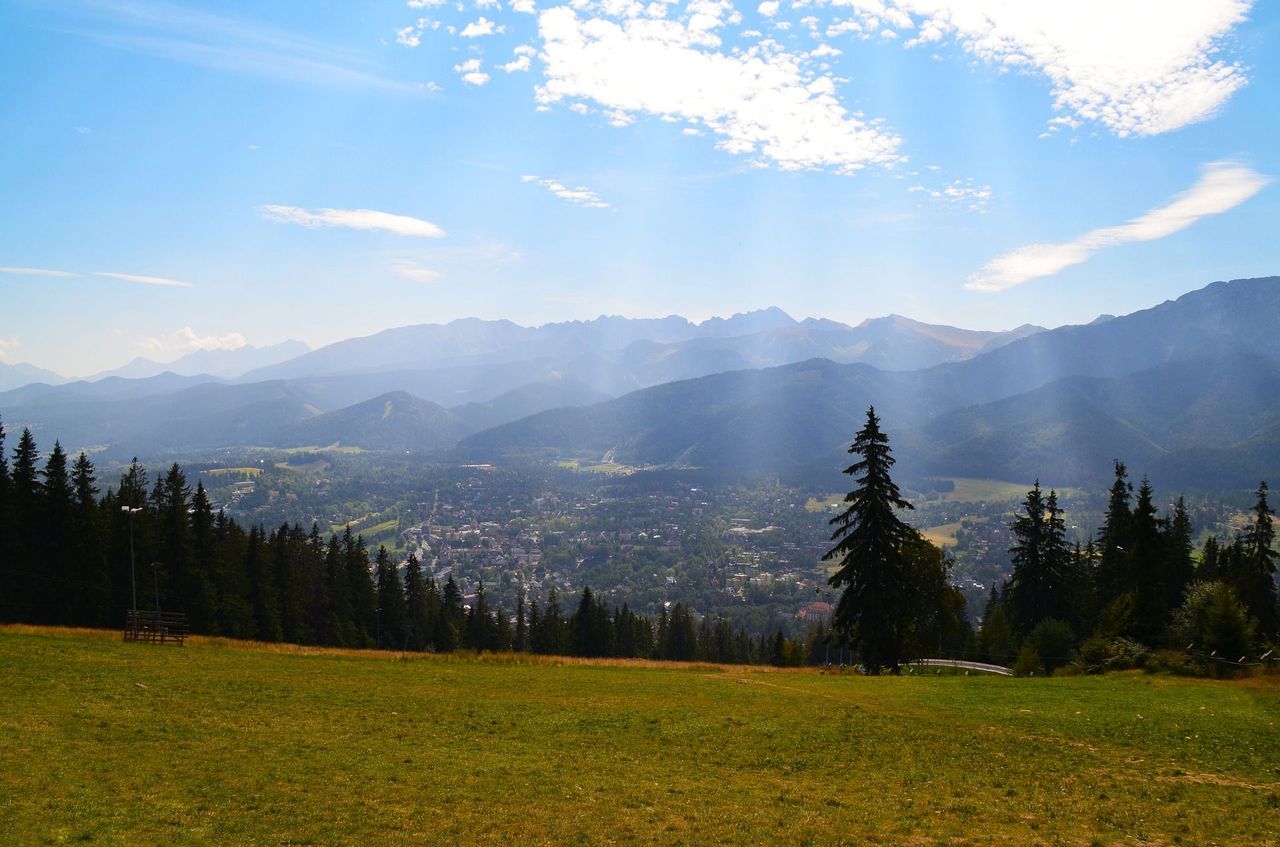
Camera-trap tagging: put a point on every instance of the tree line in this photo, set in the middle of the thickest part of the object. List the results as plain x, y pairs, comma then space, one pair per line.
71, 557
1137, 584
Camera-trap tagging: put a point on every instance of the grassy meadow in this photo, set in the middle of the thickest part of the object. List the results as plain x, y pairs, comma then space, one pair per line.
217, 742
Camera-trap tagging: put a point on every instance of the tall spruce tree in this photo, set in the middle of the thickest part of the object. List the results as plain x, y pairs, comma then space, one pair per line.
870, 549
417, 626
9, 608
92, 571
58, 592
390, 601
1113, 537
1255, 580
1040, 587
1146, 568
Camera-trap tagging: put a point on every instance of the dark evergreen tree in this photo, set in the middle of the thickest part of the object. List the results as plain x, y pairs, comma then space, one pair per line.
364, 601
520, 639
1113, 538
179, 582
26, 492
1254, 576
391, 602
1180, 566
262, 589
417, 625
1040, 587
92, 571
10, 606
1146, 568
56, 589
870, 548
339, 626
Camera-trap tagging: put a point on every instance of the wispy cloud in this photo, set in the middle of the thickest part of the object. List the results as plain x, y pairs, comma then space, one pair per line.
187, 340
964, 193
145, 280
354, 219
35, 272
579, 196
7, 346
1222, 186
414, 271
226, 43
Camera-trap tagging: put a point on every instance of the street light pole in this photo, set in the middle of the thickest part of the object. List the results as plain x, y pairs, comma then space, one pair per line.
133, 577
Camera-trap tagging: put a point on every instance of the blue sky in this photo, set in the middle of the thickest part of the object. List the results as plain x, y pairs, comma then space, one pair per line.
178, 176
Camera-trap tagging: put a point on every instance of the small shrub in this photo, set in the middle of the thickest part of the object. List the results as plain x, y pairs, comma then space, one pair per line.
1028, 662
1054, 642
1095, 652
1212, 618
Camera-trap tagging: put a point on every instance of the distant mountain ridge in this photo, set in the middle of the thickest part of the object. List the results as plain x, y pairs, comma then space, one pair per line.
21, 373
225, 364
1193, 377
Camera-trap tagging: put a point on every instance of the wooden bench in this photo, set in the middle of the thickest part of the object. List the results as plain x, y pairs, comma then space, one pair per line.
155, 627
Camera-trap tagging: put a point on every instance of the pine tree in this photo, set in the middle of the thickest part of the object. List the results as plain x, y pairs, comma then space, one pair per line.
26, 492
417, 627
520, 640
390, 601
1113, 537
1146, 572
870, 549
1180, 566
92, 571
202, 589
9, 609
262, 589
364, 601
1040, 587
178, 582
1255, 576
57, 591
339, 627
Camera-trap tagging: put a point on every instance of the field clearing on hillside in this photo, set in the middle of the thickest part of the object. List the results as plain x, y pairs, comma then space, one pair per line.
943, 536
244, 472
224, 743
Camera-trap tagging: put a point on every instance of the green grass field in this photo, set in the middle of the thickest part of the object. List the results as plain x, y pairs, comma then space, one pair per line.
218, 743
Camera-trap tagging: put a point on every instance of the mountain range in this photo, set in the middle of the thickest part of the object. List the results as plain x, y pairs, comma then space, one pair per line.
1165, 388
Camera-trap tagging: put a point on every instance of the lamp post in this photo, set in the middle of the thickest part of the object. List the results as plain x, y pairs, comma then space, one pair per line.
133, 578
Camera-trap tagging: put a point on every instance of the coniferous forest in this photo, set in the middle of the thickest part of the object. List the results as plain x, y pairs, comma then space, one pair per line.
77, 554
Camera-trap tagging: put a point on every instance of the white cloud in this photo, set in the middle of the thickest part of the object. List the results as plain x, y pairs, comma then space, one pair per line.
760, 102
413, 271
145, 280
475, 78
35, 272
579, 196
425, 4
960, 192
187, 340
467, 67
523, 60
768, 8
526, 7
1222, 186
7, 346
481, 27
354, 219
1137, 67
